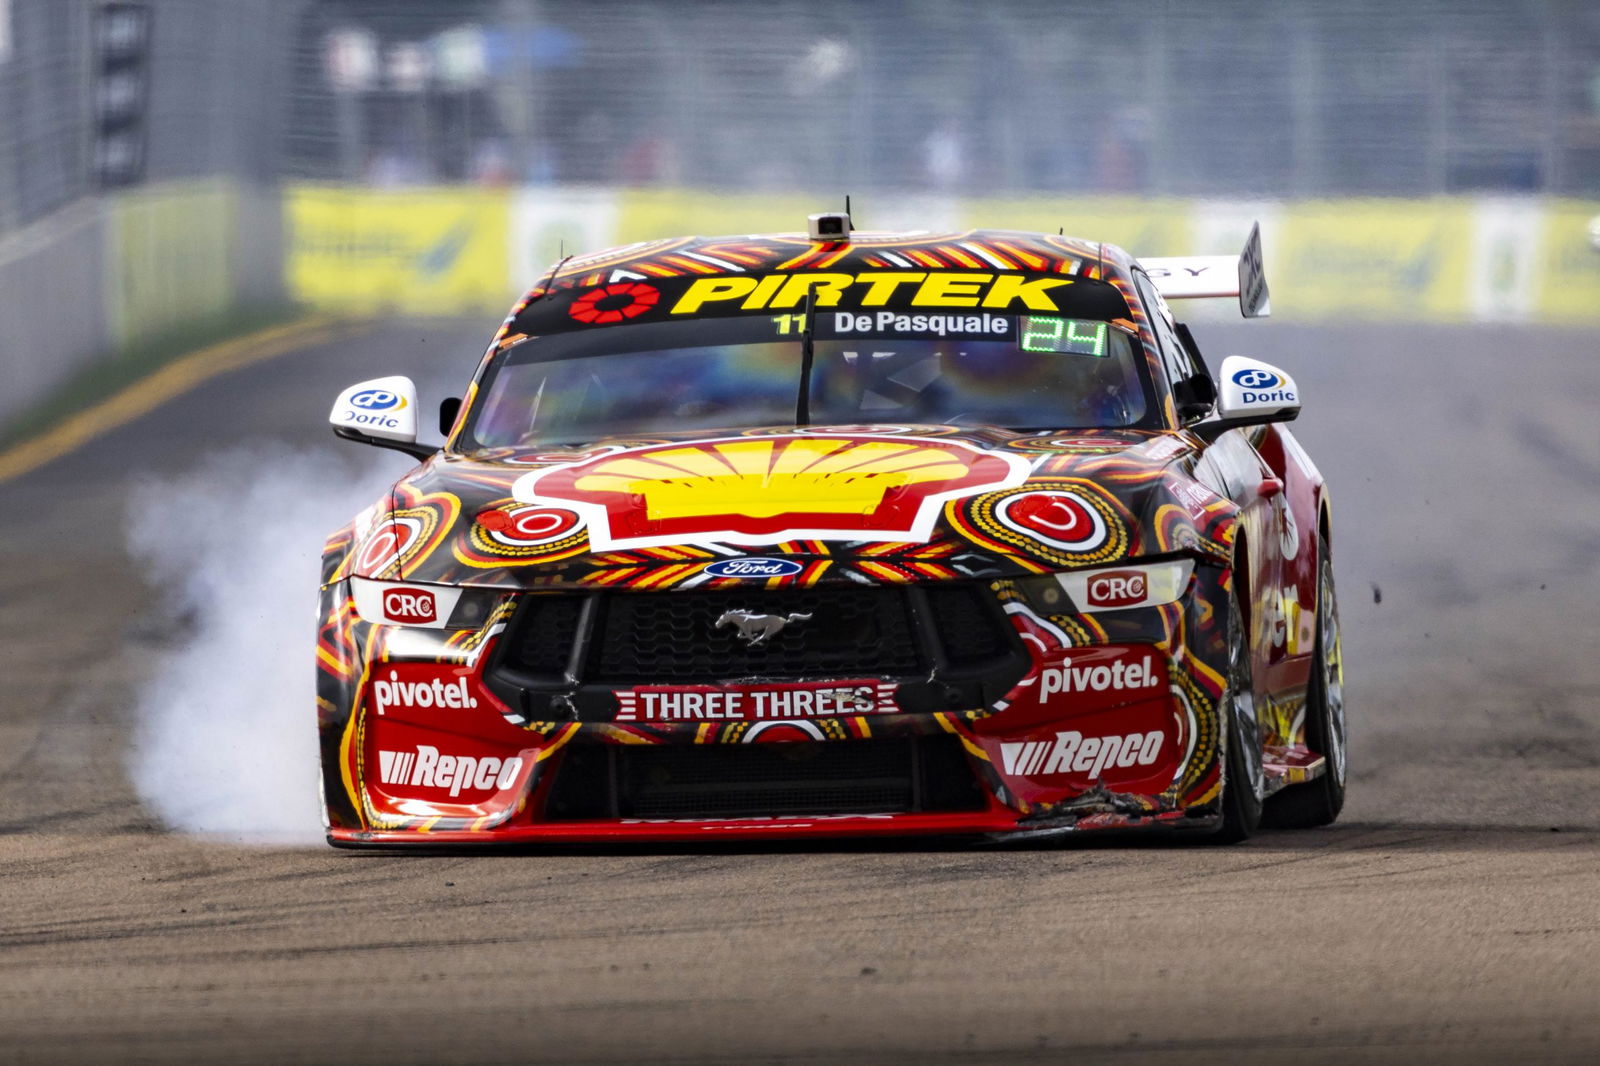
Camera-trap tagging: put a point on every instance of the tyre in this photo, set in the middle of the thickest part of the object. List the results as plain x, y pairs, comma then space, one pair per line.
1243, 778
1318, 801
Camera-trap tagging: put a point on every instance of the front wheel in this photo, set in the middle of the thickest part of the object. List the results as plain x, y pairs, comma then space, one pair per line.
1319, 801
1243, 777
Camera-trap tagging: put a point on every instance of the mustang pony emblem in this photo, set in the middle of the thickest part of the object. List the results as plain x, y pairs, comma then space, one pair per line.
753, 628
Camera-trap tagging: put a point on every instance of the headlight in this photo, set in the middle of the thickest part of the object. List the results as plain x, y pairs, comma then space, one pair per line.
1111, 588
396, 603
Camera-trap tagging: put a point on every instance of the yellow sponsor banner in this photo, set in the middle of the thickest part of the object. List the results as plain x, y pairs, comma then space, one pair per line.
1373, 259
1569, 268
649, 214
1145, 227
171, 259
451, 249
1139, 227
430, 251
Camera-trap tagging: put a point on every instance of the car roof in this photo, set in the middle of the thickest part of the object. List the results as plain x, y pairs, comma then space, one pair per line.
971, 250
675, 261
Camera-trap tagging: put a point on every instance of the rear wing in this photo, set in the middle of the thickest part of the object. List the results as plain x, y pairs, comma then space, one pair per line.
1188, 277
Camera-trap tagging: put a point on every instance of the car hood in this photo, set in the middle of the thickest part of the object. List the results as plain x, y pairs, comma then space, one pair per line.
847, 503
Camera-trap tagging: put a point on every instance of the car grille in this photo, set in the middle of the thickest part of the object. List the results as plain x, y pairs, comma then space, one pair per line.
566, 655
549, 628
969, 634
892, 775
673, 637
850, 631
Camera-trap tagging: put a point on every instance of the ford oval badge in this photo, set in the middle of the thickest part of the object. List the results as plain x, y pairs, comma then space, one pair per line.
753, 568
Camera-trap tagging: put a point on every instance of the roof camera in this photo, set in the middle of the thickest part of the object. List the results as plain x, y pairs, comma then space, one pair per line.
829, 226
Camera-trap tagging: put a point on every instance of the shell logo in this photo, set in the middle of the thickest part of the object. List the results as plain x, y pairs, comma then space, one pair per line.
765, 490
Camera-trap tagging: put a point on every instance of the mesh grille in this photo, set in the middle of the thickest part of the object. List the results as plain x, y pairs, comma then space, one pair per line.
675, 637
665, 638
544, 635
753, 780
971, 631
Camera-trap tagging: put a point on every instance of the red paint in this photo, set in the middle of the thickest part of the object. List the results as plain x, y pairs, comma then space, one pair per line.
996, 819
410, 606
1057, 516
529, 525
755, 703
1116, 588
614, 303
894, 509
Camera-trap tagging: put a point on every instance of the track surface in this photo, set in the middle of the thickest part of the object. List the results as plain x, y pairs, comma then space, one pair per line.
1453, 915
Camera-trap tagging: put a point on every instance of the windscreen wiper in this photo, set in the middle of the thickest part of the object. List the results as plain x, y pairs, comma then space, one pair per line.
802, 403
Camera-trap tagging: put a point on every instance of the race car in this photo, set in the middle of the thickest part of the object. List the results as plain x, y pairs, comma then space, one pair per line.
839, 533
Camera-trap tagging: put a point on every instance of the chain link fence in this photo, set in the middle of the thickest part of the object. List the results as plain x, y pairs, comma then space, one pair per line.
1149, 97
1160, 97
166, 164
214, 104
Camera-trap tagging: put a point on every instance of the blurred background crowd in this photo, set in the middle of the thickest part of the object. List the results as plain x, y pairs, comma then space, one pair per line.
169, 160
1223, 98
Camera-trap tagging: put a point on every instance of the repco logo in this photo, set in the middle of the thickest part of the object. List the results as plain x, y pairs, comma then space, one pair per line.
1116, 588
427, 768
410, 606
1072, 752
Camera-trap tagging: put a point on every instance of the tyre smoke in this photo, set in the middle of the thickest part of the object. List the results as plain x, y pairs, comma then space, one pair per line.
225, 739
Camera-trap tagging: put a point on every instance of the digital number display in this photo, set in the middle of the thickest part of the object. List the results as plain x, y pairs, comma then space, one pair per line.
1072, 336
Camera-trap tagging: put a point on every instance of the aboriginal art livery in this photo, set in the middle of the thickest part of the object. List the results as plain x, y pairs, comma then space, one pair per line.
905, 533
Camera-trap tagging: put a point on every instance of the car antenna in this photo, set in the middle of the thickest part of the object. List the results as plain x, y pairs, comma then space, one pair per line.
847, 209
543, 288
802, 402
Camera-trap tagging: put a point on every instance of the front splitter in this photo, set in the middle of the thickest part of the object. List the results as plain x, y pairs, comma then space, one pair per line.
992, 824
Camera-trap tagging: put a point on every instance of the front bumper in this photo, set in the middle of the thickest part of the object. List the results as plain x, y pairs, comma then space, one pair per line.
1113, 726
997, 825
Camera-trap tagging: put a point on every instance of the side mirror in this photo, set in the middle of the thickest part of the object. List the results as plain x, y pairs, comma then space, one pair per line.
449, 408
381, 412
1253, 394
1194, 397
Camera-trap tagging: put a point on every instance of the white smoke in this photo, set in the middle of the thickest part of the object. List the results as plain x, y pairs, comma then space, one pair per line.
225, 741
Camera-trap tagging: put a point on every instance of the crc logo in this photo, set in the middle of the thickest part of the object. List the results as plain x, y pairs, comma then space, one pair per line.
753, 568
410, 606
1116, 588
1257, 379
377, 400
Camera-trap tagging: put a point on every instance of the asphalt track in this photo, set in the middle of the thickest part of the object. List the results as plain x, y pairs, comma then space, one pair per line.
1453, 914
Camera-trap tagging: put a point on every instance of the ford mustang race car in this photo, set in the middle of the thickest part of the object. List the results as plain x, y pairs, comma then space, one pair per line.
840, 533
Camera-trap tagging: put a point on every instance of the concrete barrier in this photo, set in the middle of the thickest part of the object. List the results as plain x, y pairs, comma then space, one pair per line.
52, 304
105, 275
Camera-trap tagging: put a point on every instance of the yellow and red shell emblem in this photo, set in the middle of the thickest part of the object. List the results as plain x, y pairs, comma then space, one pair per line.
765, 490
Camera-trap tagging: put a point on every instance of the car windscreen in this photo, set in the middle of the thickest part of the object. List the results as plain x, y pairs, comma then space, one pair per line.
1014, 371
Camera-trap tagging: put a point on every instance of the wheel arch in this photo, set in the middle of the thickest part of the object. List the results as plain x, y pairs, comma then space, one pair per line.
1325, 518
1241, 576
